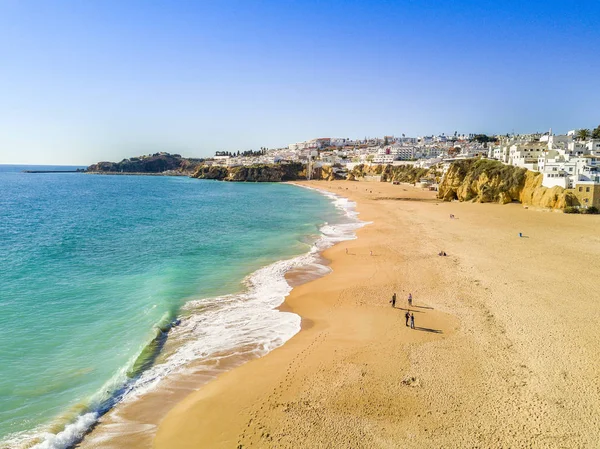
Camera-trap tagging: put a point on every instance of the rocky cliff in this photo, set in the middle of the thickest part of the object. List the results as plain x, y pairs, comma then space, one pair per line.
487, 181
253, 173
327, 173
389, 173
152, 163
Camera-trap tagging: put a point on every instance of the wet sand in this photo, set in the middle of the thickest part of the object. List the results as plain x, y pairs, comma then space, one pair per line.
504, 354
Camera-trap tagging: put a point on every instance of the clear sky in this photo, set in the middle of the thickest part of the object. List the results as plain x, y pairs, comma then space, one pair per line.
82, 81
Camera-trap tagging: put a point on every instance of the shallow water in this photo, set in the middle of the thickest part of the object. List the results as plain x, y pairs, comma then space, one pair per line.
92, 268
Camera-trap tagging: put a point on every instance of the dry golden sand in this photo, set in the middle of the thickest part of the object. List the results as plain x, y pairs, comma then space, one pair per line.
505, 353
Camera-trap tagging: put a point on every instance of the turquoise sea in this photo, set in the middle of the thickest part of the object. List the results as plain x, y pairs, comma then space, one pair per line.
96, 270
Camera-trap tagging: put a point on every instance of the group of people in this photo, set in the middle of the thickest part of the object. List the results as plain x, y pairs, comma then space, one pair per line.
410, 317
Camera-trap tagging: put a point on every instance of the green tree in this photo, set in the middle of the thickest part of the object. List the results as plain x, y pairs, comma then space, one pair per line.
583, 134
385, 141
596, 133
482, 138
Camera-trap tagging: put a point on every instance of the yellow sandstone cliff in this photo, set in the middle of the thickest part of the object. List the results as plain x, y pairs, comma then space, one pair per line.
487, 181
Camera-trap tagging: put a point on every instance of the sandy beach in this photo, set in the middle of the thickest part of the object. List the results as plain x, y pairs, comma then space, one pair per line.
504, 353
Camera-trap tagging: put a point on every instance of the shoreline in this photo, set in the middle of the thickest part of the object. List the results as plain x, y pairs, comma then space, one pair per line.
315, 328
175, 386
357, 377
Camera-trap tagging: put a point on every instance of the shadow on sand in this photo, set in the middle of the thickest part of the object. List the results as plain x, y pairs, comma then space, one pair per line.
424, 307
410, 310
426, 329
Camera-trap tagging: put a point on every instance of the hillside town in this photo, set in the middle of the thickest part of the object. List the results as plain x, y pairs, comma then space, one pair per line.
344, 154
570, 161
564, 160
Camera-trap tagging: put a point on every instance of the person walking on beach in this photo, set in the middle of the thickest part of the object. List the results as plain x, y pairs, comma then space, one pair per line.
407, 316
394, 300
410, 299
412, 320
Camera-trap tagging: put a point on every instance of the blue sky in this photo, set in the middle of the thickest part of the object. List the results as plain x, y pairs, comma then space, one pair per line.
88, 81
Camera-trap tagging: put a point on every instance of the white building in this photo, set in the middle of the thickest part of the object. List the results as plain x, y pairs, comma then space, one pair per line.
593, 147
565, 167
526, 155
385, 155
341, 142
389, 154
428, 163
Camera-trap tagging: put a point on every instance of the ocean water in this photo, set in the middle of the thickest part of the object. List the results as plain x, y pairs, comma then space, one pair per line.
97, 272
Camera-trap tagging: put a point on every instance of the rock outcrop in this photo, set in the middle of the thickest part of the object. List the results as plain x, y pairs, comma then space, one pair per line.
327, 173
488, 181
390, 173
150, 164
253, 173
534, 194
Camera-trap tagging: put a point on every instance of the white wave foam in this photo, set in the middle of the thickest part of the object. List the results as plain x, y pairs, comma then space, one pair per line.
246, 324
71, 434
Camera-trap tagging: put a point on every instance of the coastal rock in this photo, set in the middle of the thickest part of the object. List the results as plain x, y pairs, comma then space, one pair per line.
325, 173
253, 173
389, 173
488, 181
149, 164
535, 194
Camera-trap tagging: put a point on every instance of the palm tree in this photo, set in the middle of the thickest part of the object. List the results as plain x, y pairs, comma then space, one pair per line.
583, 134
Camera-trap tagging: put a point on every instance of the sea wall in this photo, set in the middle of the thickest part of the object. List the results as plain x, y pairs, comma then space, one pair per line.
488, 181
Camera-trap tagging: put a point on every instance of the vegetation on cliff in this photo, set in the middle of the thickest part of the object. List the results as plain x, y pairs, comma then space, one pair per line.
252, 173
152, 163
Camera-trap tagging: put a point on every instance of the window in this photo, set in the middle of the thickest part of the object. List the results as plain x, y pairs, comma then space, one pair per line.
581, 189
587, 189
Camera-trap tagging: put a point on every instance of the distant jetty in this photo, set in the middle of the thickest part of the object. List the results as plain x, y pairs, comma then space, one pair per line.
54, 171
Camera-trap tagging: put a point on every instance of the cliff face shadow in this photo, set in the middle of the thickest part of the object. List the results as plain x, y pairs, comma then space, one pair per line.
426, 329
